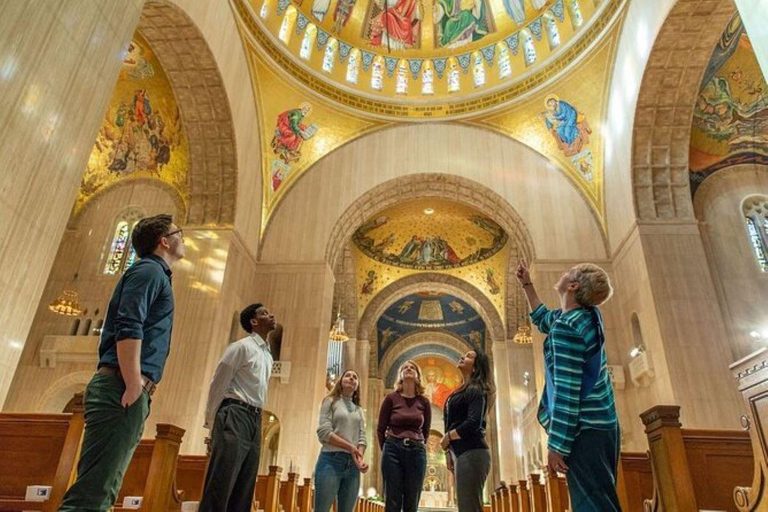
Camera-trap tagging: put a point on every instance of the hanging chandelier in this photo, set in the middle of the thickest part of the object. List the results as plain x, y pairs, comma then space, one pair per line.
68, 303
523, 335
337, 331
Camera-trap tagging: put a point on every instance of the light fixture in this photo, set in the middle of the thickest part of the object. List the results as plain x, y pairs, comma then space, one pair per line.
526, 378
337, 331
759, 335
68, 303
429, 211
636, 351
755, 335
523, 335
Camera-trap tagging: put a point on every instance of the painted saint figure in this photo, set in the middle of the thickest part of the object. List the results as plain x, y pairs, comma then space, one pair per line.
435, 390
397, 25
516, 10
291, 132
320, 8
342, 13
568, 126
457, 24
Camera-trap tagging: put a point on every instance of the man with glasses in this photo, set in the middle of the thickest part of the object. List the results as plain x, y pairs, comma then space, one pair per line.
135, 342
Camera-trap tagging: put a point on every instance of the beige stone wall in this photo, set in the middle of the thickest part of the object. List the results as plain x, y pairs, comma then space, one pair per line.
742, 288
58, 77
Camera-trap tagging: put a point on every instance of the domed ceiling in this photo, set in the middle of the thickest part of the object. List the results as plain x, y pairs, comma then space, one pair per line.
429, 311
430, 235
424, 58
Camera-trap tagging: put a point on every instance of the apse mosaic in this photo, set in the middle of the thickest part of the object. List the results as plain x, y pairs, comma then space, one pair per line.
142, 134
435, 51
440, 378
429, 311
730, 119
430, 236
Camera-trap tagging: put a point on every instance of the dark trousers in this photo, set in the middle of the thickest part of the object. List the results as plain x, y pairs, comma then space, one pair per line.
592, 469
472, 469
403, 468
112, 433
235, 447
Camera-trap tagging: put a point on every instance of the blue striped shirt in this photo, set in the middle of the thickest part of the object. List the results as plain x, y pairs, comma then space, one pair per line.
571, 338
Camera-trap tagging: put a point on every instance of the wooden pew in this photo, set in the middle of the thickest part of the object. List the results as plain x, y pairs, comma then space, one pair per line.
695, 468
495, 501
152, 472
635, 481
289, 493
514, 499
39, 449
751, 375
190, 476
267, 494
505, 505
557, 493
306, 497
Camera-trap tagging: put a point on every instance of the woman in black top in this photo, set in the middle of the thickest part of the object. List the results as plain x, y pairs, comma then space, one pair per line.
465, 419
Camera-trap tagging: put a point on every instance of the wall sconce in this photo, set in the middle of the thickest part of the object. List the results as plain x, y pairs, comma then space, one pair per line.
759, 335
640, 367
526, 378
636, 351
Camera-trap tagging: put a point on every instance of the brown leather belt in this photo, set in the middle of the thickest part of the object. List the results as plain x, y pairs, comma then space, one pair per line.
147, 384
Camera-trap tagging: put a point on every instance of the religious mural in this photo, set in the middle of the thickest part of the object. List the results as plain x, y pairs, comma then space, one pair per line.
141, 135
460, 22
394, 24
431, 311
730, 119
290, 133
433, 245
440, 378
571, 131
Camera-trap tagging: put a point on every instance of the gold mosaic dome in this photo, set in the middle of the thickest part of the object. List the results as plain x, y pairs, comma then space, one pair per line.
423, 58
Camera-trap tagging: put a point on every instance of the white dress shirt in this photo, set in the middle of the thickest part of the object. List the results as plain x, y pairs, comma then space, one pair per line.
243, 374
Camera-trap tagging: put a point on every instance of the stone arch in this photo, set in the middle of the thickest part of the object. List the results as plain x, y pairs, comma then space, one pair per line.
417, 341
205, 113
438, 282
662, 127
419, 186
58, 395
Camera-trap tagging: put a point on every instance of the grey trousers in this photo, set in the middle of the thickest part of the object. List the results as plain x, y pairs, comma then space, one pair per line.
235, 447
471, 470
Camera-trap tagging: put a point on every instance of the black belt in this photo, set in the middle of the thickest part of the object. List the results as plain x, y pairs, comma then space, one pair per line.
405, 441
146, 383
235, 401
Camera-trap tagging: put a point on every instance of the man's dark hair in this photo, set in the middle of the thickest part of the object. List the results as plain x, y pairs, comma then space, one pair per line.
148, 232
248, 314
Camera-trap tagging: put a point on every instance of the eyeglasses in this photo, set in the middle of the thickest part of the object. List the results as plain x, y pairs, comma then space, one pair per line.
179, 232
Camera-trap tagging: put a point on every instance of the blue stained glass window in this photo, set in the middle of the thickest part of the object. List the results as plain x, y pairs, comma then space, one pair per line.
117, 249
757, 243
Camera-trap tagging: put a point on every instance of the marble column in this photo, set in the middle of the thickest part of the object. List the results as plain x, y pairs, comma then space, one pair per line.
59, 62
504, 434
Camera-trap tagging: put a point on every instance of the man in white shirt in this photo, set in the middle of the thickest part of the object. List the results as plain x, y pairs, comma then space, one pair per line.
237, 394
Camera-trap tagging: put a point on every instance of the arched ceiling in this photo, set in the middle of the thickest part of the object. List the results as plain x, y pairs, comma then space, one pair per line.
730, 117
430, 235
429, 311
411, 58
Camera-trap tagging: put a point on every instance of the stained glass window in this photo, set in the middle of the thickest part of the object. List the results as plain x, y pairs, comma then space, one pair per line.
577, 19
454, 80
377, 75
330, 53
264, 10
756, 218
553, 34
117, 250
401, 86
306, 44
287, 25
427, 79
478, 70
505, 65
529, 50
353, 66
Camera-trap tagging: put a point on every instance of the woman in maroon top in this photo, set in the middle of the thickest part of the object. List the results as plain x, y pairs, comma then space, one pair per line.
404, 421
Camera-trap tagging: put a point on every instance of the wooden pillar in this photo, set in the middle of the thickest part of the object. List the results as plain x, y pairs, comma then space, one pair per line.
514, 499
524, 499
505, 500
538, 493
305, 496
272, 497
66, 471
289, 493
160, 492
494, 505
671, 472
557, 493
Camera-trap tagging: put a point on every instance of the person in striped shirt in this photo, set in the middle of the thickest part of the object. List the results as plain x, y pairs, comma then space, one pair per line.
577, 407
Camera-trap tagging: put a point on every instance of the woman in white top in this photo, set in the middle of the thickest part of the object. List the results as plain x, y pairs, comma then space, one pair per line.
341, 429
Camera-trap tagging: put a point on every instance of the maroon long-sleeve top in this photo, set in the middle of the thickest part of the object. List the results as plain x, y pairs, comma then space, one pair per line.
404, 418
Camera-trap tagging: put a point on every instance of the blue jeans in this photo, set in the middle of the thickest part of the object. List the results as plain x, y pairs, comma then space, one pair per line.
336, 476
